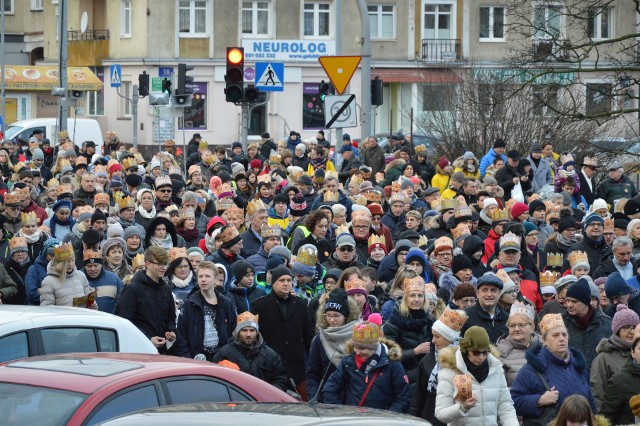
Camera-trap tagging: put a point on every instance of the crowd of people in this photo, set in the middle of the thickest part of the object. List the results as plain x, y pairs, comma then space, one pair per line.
500, 290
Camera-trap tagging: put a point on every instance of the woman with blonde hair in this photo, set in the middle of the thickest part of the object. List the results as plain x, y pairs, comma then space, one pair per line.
63, 282
396, 290
575, 410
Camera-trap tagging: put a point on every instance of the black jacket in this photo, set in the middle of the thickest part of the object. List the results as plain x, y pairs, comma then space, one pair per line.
242, 297
607, 268
423, 403
266, 148
585, 191
505, 176
597, 251
495, 327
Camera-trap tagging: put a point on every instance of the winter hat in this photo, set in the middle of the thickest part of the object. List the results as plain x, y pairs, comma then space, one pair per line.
632, 207
192, 250
592, 217
98, 215
458, 177
241, 268
338, 301
279, 272
50, 244
133, 180
489, 278
60, 204
534, 205
460, 262
366, 334
529, 227
443, 162
468, 156
298, 206
566, 221
130, 231
506, 287
475, 338
599, 204
616, 286
246, 319
499, 143
281, 251
415, 253
450, 323
345, 240
580, 291
116, 182
406, 183
566, 280
115, 230
623, 317
518, 209
273, 262
86, 214
490, 202
332, 273
302, 147
37, 154
548, 289
255, 164
536, 147
113, 242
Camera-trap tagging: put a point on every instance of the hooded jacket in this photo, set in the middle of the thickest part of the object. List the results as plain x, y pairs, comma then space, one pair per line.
35, 276
471, 245
610, 360
392, 172
17, 273
392, 222
108, 287
242, 297
61, 292
416, 253
487, 160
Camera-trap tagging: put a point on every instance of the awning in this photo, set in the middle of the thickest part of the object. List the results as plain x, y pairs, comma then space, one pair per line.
46, 78
415, 75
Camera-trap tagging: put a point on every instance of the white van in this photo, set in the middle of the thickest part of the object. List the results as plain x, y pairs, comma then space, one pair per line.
80, 130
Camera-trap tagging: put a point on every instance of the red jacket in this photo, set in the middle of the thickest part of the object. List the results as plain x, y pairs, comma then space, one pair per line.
39, 211
489, 246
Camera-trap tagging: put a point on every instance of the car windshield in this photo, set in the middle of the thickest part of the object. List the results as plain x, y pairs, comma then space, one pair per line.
12, 131
35, 405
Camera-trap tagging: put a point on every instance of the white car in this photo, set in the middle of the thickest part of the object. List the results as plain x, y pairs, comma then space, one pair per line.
27, 331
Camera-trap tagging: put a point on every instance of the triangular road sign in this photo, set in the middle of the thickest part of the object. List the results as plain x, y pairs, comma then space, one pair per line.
340, 69
115, 77
269, 78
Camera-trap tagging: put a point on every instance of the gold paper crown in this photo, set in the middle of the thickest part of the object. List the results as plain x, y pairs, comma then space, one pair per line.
373, 196
129, 163
357, 180
307, 255
534, 196
609, 225
194, 169
461, 201
342, 229
174, 170
462, 211
361, 216
137, 261
396, 187
275, 159
520, 308
16, 242
53, 182
509, 204
549, 278
65, 189
99, 169
354, 284
460, 230
203, 144
92, 254
421, 148
81, 160
366, 333
504, 277
85, 209
264, 179
28, 218
187, 213
19, 166
24, 193
590, 161
443, 242
549, 205
449, 204
330, 196
554, 213
177, 253
63, 253
234, 212
64, 163
63, 134
162, 181
550, 321
510, 240
578, 257
228, 234
271, 231
224, 191
124, 202
248, 317
139, 158
224, 204
453, 318
256, 206
101, 198
377, 240
423, 241
500, 216
12, 198
414, 284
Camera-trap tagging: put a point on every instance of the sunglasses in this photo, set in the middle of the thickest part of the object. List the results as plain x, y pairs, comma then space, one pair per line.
346, 248
480, 353
164, 191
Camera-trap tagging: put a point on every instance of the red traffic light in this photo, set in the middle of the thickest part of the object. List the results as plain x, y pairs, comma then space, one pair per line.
235, 55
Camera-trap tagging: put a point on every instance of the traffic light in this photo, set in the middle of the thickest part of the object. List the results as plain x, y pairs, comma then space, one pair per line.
376, 91
183, 93
166, 86
234, 79
143, 84
323, 89
251, 94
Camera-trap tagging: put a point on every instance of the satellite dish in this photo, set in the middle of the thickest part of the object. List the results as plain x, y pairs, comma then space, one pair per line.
83, 22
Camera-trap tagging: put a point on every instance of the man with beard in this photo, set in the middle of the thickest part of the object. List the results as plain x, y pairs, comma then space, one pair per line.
345, 254
592, 243
164, 190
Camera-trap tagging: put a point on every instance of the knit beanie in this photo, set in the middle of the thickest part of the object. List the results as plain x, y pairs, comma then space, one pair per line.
278, 272
98, 215
506, 287
274, 261
529, 227
460, 262
332, 273
490, 202
518, 209
580, 291
592, 217
131, 230
623, 317
566, 221
616, 286
281, 251
338, 301
115, 230
246, 319
113, 242
475, 338
534, 205
241, 268
193, 250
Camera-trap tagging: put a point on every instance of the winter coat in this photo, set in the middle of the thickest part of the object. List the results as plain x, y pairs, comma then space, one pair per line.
55, 291
302, 162
440, 180
353, 163
259, 260
258, 360
108, 286
85, 196
487, 160
611, 191
449, 281
620, 388
597, 251
190, 335
35, 276
609, 361
388, 267
495, 327
334, 263
567, 378
408, 332
374, 158
389, 391
541, 173
494, 400
423, 403
392, 172
392, 222
219, 257
505, 176
587, 340
512, 354
251, 243
289, 336
34, 249
585, 190
607, 268
242, 297
17, 274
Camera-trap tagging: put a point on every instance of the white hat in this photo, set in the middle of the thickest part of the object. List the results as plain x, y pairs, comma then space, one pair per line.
598, 204
490, 202
548, 289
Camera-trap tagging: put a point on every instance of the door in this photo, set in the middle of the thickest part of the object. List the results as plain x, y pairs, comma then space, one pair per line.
438, 31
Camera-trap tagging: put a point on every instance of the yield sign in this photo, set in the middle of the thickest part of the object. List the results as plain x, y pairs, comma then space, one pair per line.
340, 69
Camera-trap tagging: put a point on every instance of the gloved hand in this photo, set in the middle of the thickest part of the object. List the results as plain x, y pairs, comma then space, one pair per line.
634, 404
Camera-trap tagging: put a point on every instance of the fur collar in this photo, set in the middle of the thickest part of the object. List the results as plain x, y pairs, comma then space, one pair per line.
321, 321
399, 162
540, 363
394, 351
451, 358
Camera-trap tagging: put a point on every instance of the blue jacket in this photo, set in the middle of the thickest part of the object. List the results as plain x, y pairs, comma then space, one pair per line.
251, 243
291, 144
259, 260
487, 160
108, 288
634, 282
391, 222
416, 253
242, 296
342, 199
33, 280
390, 390
568, 379
388, 268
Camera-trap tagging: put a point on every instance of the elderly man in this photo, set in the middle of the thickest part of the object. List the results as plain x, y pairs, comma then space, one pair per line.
593, 242
251, 238
373, 156
621, 261
587, 184
486, 313
345, 254
163, 192
616, 186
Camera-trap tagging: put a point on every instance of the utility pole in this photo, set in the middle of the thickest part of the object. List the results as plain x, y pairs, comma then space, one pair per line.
339, 132
365, 113
2, 46
134, 111
63, 59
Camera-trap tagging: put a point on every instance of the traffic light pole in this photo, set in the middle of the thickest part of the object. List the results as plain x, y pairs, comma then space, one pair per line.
134, 111
247, 109
365, 113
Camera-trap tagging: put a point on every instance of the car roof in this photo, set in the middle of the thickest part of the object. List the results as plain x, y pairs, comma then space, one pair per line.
10, 313
267, 414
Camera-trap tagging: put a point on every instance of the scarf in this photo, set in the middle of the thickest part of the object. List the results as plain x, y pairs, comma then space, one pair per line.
177, 282
166, 242
372, 263
319, 163
146, 214
432, 384
366, 311
113, 268
620, 343
584, 321
416, 320
438, 267
333, 341
486, 219
55, 221
210, 243
188, 234
33, 238
125, 223
566, 241
371, 362
479, 372
129, 255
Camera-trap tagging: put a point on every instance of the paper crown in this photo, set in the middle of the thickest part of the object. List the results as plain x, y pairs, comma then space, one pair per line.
177, 253
295, 174
99, 169
423, 242
162, 181
271, 231
356, 180
124, 202
520, 308
81, 160
64, 189
414, 284
552, 214
101, 198
63, 134
64, 163
275, 159
224, 204
590, 161
396, 187
248, 317
460, 230
19, 166
203, 144
550, 321
16, 242
453, 318
609, 225
463, 211
366, 333
549, 278
12, 199
234, 212
377, 241
361, 216
139, 158
373, 196
330, 196
307, 255
355, 285
129, 163
53, 182
175, 170
421, 148
510, 203
137, 261
499, 216
578, 257
187, 213
28, 218
24, 194
555, 260
342, 229
92, 255
229, 234
504, 277
449, 204
85, 209
256, 206
224, 191
510, 240
63, 253
264, 179
534, 196
443, 242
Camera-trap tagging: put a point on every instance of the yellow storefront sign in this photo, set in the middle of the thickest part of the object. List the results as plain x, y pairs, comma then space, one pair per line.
46, 78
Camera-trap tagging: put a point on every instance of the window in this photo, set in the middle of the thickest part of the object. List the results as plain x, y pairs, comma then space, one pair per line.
599, 98
192, 17
317, 17
601, 23
14, 346
108, 340
492, 99
437, 97
195, 116
545, 100
63, 340
8, 7
36, 5
382, 21
126, 402
548, 21
125, 18
124, 109
197, 390
255, 18
438, 21
492, 23
30, 405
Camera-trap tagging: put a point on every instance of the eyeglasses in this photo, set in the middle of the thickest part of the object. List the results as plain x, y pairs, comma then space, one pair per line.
468, 300
160, 265
596, 225
480, 353
627, 328
331, 317
376, 218
444, 254
164, 191
362, 227
182, 266
513, 291
518, 325
346, 248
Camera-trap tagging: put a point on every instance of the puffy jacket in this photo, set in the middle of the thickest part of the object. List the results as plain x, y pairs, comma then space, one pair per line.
610, 360
59, 292
449, 281
494, 400
259, 260
487, 160
392, 222
622, 386
34, 278
512, 354
242, 297
587, 339
108, 287
392, 172
390, 390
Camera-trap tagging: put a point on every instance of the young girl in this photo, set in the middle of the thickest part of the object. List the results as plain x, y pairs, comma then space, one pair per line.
566, 169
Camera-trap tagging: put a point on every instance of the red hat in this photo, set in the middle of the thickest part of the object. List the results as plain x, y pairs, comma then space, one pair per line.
255, 164
415, 179
518, 209
114, 168
375, 209
443, 162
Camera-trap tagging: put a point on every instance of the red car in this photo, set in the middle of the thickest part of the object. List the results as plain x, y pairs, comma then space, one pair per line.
86, 389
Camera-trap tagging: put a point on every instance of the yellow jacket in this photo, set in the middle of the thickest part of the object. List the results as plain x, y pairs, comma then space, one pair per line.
475, 175
440, 181
330, 168
448, 194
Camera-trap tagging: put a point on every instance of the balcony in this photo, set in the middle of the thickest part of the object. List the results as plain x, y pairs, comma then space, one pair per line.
88, 35
89, 48
440, 50
550, 50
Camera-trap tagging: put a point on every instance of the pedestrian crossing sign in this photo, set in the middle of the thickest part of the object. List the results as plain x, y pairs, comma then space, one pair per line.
116, 74
270, 76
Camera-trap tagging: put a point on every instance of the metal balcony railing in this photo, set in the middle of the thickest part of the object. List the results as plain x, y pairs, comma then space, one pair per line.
550, 50
88, 35
440, 50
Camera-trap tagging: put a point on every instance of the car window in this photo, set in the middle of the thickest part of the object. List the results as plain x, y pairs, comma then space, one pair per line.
196, 390
108, 340
238, 396
14, 346
64, 340
126, 402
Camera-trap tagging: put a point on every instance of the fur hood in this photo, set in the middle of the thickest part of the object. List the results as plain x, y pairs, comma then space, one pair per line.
539, 363
398, 162
602, 421
447, 358
606, 345
394, 351
321, 321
